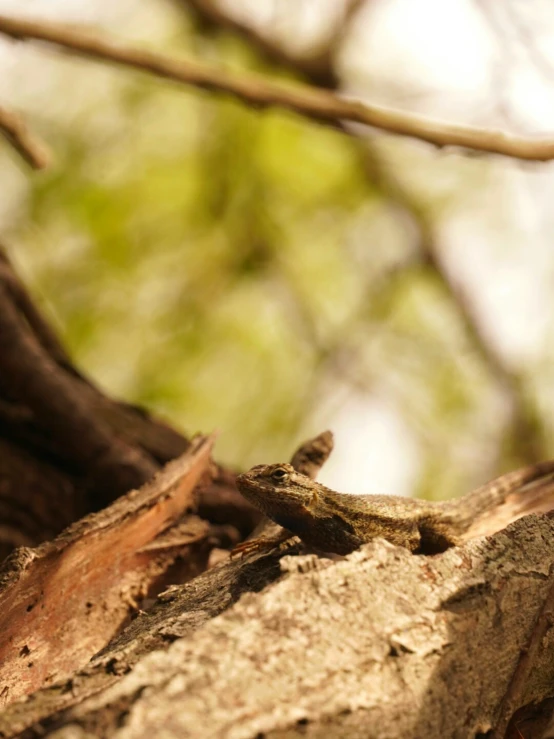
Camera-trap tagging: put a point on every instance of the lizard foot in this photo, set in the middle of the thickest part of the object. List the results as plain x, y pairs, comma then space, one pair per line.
253, 545
262, 543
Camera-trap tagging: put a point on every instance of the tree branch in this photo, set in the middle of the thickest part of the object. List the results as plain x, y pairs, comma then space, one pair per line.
63, 601
28, 146
31, 376
312, 102
370, 645
23, 301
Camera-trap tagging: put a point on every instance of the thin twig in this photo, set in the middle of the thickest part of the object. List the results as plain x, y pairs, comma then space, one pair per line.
27, 145
312, 102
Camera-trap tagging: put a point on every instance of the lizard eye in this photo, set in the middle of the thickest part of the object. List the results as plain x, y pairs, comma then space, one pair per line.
279, 475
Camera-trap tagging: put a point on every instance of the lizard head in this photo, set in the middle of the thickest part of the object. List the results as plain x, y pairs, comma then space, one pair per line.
277, 487
301, 505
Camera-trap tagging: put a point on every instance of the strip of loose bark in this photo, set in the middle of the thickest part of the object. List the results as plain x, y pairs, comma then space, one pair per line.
27, 145
311, 102
60, 603
178, 612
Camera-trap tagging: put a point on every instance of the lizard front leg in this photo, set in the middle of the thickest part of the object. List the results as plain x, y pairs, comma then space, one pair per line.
262, 543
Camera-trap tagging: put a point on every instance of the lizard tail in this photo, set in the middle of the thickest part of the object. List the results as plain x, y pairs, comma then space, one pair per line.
484, 499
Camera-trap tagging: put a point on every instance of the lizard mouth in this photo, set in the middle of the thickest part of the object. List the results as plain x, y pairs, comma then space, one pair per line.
243, 483
253, 488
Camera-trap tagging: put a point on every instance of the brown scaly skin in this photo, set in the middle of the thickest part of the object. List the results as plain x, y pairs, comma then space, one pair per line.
339, 523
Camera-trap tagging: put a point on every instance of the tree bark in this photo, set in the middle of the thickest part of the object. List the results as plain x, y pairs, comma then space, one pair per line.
63, 601
380, 644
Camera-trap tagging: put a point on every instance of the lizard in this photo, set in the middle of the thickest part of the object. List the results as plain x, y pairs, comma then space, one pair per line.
308, 459
340, 523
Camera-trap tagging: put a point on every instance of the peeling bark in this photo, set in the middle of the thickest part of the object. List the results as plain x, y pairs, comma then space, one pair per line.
62, 602
380, 644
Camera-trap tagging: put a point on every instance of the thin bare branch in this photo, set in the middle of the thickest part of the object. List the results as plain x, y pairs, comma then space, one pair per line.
311, 102
27, 145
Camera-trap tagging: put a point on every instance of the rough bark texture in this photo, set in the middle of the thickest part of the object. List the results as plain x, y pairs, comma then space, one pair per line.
62, 602
381, 644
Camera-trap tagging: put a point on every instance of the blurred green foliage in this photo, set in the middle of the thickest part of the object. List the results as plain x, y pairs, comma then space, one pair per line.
231, 268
